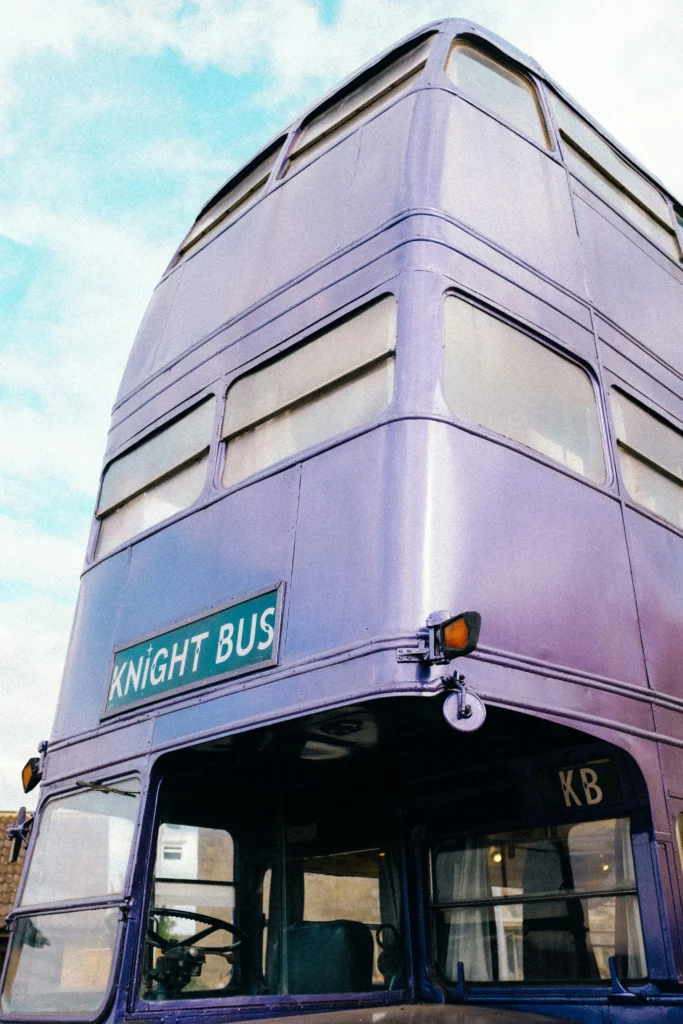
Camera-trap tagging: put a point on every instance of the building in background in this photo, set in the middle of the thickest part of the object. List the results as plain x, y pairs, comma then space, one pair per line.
9, 878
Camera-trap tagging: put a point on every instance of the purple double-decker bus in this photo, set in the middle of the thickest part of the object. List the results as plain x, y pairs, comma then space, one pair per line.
409, 391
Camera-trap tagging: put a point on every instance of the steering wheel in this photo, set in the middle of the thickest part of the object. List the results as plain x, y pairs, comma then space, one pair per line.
215, 925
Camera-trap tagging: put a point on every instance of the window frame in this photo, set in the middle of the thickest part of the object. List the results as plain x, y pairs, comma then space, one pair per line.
281, 351
608, 484
569, 144
119, 901
294, 158
666, 418
61, 794
498, 56
278, 1002
271, 156
522, 988
157, 428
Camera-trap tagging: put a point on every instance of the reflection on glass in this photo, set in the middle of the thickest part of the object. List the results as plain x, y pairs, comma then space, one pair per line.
337, 381
350, 405
159, 477
154, 458
83, 845
497, 87
651, 459
193, 874
548, 904
315, 906
499, 377
612, 194
357, 104
60, 963
651, 489
152, 506
598, 149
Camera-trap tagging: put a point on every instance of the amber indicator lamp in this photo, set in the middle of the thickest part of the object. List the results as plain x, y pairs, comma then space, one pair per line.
459, 635
31, 774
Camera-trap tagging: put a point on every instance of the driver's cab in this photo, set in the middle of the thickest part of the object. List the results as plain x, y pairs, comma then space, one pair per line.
373, 853
274, 890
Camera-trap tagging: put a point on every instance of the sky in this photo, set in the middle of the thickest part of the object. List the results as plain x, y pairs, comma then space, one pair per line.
118, 120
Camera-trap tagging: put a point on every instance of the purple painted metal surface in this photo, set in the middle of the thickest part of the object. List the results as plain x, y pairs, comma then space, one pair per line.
372, 534
580, 592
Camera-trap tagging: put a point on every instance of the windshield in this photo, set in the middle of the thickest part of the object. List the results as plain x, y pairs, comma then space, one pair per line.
83, 845
301, 896
60, 960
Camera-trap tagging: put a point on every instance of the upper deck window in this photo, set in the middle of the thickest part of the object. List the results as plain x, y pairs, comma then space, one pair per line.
338, 381
240, 193
156, 479
593, 160
651, 458
497, 87
499, 377
358, 102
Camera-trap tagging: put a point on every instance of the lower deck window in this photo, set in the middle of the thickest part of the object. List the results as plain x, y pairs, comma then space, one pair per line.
300, 902
545, 905
60, 963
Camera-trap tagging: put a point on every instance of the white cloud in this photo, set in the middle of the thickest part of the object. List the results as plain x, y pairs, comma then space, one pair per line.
36, 559
33, 638
101, 277
183, 156
627, 69
81, 314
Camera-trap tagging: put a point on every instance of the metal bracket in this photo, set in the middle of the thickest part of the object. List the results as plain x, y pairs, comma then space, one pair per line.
418, 653
427, 648
18, 833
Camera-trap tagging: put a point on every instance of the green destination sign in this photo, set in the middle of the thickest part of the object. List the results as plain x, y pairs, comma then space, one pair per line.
225, 643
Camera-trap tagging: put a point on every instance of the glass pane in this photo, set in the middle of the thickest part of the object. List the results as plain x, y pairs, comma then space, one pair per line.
501, 90
313, 889
343, 910
647, 434
245, 192
152, 459
563, 937
587, 139
359, 103
548, 941
656, 442
193, 879
651, 489
152, 506
60, 963
83, 845
613, 195
550, 859
501, 378
360, 400
345, 347
344, 889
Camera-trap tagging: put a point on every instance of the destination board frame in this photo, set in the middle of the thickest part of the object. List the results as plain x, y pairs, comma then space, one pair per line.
220, 677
